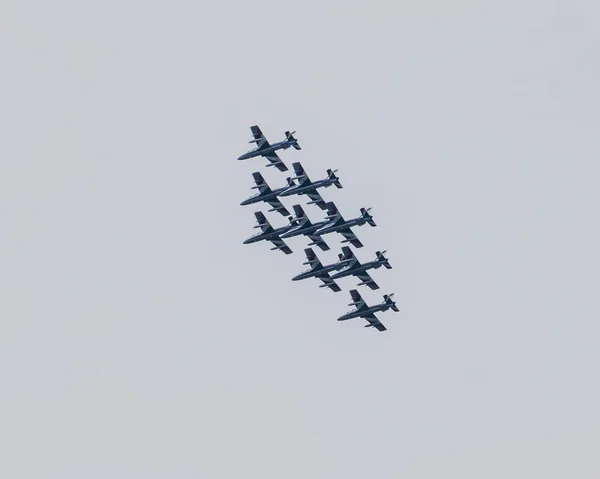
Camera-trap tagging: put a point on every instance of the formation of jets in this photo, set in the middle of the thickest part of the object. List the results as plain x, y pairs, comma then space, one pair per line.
299, 224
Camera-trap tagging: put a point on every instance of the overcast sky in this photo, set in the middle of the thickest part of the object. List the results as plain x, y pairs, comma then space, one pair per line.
139, 338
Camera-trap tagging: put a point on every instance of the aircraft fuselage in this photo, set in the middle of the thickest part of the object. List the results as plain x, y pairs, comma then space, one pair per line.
282, 145
266, 236
344, 226
364, 312
357, 270
308, 230
260, 197
319, 272
302, 190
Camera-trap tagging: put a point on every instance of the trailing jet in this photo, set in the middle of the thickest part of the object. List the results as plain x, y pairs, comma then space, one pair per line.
266, 194
338, 223
305, 227
355, 268
270, 234
309, 188
264, 148
317, 270
367, 312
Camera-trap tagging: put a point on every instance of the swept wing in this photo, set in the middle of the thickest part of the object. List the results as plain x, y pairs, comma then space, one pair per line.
304, 181
301, 176
354, 263
275, 161
351, 238
333, 215
315, 264
374, 322
264, 189
360, 304
357, 300
263, 144
304, 222
266, 227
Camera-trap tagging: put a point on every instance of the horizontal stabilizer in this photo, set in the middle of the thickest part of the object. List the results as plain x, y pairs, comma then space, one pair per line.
293, 141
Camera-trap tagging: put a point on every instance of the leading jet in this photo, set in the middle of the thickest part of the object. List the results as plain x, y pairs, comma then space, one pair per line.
337, 223
307, 187
266, 194
317, 270
270, 234
355, 268
264, 148
305, 227
367, 312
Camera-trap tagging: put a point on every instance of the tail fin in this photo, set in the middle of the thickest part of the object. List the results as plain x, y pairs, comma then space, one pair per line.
290, 182
365, 214
293, 141
384, 261
388, 300
335, 180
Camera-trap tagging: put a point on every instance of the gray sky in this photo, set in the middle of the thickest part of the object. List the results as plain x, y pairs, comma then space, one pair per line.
140, 339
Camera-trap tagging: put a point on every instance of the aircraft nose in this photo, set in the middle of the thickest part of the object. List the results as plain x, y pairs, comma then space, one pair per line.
248, 241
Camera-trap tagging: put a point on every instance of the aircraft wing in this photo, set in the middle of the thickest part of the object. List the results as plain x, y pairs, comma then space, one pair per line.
299, 212
374, 322
351, 238
275, 161
329, 283
278, 206
366, 279
316, 199
301, 176
280, 245
312, 260
263, 222
259, 138
348, 254
333, 214
318, 241
357, 300
261, 184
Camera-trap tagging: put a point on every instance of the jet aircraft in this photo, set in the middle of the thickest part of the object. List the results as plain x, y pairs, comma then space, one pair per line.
264, 148
270, 234
355, 268
266, 194
317, 270
305, 227
307, 187
338, 223
367, 312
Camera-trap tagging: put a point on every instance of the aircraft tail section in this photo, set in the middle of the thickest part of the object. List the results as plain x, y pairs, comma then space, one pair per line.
331, 174
384, 261
291, 140
365, 214
388, 300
